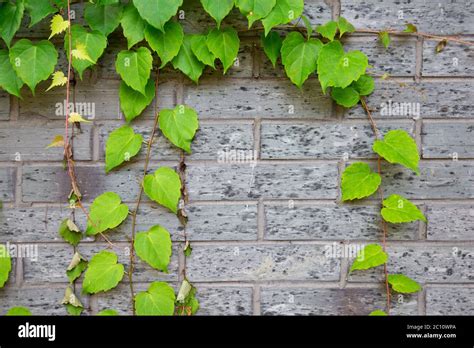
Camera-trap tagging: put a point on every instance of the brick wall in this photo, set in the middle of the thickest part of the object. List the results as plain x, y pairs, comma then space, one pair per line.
258, 232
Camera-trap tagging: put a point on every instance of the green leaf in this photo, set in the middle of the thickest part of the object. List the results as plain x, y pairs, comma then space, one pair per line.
106, 212
255, 9
132, 103
410, 28
398, 209
122, 144
135, 67
154, 247
218, 9
347, 97
384, 38
224, 44
201, 50
157, 12
186, 301
328, 30
94, 42
9, 80
18, 311
5, 265
284, 12
179, 125
72, 236
371, 256
38, 10
272, 46
107, 312
10, 19
401, 283
76, 267
344, 26
157, 300
307, 24
103, 18
358, 181
337, 68
187, 62
364, 85
398, 146
299, 57
103, 273
164, 187
378, 312
73, 310
166, 43
33, 62
133, 25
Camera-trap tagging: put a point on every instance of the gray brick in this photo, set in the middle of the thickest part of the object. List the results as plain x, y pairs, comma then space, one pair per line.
99, 97
454, 60
52, 184
437, 180
325, 222
28, 142
309, 301
286, 180
40, 300
53, 260
222, 222
428, 16
449, 301
31, 224
236, 262
445, 140
224, 300
433, 264
450, 222
209, 140
7, 184
251, 98
437, 99
322, 140
4, 106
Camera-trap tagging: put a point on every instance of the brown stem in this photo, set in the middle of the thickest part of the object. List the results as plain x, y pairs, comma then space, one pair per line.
381, 197
140, 195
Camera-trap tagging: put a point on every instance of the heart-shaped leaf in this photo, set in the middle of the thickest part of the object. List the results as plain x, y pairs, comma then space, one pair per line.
201, 50
272, 46
179, 126
255, 9
121, 146
218, 9
133, 25
299, 57
154, 247
358, 181
163, 187
403, 284
157, 12
224, 44
9, 80
337, 68
369, 257
135, 67
106, 212
187, 62
103, 273
33, 61
11, 14
398, 209
284, 12
103, 18
398, 146
166, 43
159, 299
132, 103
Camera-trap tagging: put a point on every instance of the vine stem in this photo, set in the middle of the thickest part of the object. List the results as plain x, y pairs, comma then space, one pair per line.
373, 31
140, 194
381, 197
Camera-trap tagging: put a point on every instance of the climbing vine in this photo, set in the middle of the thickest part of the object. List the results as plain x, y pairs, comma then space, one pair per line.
153, 29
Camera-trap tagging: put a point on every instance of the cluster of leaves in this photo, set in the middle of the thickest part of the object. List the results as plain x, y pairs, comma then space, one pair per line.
360, 181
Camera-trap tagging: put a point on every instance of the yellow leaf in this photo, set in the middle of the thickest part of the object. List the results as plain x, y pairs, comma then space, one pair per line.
58, 80
75, 117
80, 52
58, 141
58, 25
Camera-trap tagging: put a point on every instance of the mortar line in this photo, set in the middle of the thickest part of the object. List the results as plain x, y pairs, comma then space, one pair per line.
256, 299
